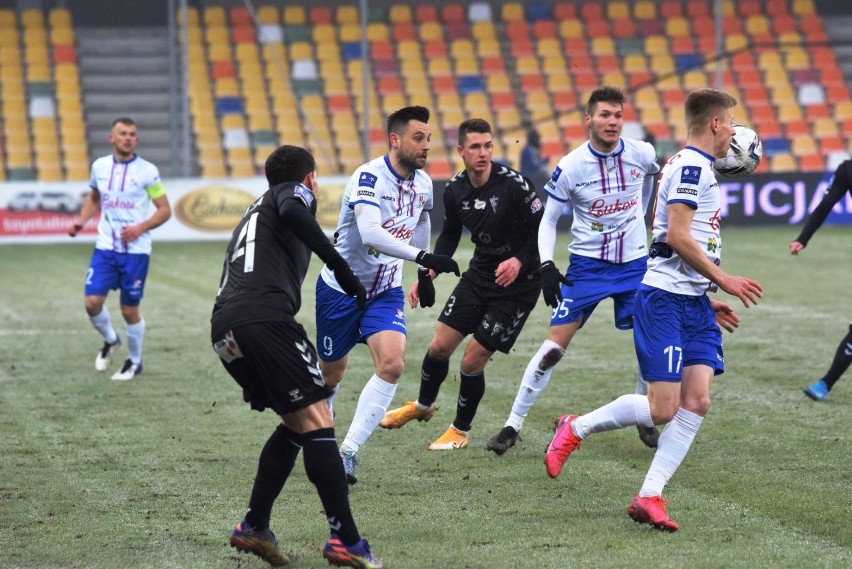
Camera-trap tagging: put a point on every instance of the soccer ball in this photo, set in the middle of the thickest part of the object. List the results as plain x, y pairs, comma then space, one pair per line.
744, 154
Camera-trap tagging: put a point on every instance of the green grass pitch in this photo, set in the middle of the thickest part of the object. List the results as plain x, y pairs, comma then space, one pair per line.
153, 473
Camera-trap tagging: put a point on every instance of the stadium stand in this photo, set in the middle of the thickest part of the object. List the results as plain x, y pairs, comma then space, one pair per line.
297, 73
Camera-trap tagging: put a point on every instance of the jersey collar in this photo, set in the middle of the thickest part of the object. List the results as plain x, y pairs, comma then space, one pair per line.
394, 172
616, 152
712, 159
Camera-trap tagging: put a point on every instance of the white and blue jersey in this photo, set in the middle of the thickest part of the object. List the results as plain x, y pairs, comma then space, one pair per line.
126, 190
606, 192
687, 178
401, 202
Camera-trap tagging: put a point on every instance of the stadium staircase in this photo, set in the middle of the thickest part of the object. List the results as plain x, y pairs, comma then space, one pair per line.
125, 72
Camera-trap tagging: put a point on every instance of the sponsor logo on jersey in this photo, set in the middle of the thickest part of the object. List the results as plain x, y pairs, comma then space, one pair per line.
368, 180
465, 205
597, 226
304, 193
478, 204
688, 191
556, 173
365, 193
690, 174
712, 244
214, 208
600, 208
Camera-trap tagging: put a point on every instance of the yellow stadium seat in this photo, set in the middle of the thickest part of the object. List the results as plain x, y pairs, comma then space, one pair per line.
656, 45
488, 48
677, 27
769, 60
483, 30
400, 14
32, 18
214, 16
570, 29
803, 7
802, 145
757, 25
645, 10
602, 46
294, 15
431, 31
789, 111
350, 33
614, 79
512, 12
736, 42
267, 14
618, 10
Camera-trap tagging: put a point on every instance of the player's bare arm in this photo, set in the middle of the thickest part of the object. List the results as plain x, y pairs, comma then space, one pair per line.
161, 215
680, 239
91, 204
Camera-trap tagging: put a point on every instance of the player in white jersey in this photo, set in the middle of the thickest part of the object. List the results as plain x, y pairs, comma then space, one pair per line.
676, 335
608, 182
123, 187
385, 206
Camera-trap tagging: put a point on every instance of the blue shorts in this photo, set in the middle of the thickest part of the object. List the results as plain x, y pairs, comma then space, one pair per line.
674, 331
341, 324
595, 280
109, 270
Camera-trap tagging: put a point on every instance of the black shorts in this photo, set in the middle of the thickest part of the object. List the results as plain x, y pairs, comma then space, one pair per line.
274, 363
493, 314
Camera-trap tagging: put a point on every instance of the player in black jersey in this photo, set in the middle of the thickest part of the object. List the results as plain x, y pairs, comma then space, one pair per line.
495, 295
840, 184
264, 348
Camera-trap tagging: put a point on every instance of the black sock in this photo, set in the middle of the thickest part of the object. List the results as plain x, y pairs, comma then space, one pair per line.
842, 359
276, 461
470, 394
432, 375
325, 470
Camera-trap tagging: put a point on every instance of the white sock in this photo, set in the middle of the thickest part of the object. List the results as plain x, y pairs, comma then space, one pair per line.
135, 333
534, 381
330, 398
373, 403
103, 324
641, 384
672, 447
625, 411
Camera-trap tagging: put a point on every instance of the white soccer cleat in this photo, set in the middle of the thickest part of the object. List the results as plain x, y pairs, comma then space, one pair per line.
128, 371
104, 358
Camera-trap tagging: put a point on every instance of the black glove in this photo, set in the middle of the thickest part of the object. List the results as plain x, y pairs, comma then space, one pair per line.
551, 284
425, 288
350, 284
438, 263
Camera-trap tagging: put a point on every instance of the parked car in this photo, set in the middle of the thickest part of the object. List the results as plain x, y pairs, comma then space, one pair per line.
61, 202
23, 201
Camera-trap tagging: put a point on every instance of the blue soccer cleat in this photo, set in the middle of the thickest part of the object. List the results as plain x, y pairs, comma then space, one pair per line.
818, 391
259, 542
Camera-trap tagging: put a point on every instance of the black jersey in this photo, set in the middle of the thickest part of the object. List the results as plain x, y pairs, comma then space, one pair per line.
502, 216
840, 184
267, 258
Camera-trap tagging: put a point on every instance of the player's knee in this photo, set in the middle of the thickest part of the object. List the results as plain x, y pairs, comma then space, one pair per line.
93, 305
663, 411
440, 353
698, 405
391, 370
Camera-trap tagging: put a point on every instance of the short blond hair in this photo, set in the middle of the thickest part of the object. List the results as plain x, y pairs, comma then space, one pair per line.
703, 104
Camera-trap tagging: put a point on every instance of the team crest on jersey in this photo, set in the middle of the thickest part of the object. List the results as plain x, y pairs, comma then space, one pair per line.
535, 205
635, 174
478, 204
304, 193
368, 180
690, 174
493, 200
